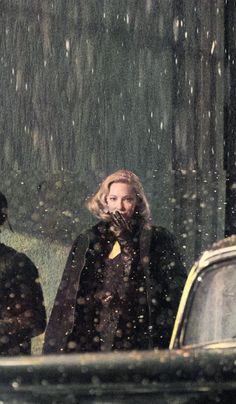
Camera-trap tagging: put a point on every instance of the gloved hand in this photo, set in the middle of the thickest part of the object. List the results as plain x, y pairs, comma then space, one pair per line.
124, 232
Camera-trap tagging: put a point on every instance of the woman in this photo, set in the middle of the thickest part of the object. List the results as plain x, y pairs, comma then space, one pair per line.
123, 279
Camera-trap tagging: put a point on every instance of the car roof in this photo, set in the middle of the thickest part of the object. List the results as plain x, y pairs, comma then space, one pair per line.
215, 256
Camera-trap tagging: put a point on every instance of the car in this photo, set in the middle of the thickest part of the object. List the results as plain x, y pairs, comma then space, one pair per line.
199, 367
206, 315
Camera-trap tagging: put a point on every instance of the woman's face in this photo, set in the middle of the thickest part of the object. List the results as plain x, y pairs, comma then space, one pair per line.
121, 198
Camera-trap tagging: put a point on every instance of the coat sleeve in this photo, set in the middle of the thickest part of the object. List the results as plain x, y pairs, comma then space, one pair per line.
62, 316
22, 306
170, 277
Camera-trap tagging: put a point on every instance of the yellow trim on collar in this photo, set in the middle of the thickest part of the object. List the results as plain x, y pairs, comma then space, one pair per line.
115, 251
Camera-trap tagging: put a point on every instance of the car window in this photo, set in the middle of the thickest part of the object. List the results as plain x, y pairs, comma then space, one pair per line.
212, 313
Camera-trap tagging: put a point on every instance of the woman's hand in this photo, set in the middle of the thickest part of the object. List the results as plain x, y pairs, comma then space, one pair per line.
124, 233
119, 221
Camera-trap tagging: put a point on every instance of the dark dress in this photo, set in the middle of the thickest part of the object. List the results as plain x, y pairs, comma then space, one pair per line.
22, 312
145, 294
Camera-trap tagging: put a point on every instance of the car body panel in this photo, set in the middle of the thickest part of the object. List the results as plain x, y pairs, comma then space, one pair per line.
180, 375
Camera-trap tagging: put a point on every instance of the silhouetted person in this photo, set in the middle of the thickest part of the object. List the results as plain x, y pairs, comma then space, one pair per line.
22, 311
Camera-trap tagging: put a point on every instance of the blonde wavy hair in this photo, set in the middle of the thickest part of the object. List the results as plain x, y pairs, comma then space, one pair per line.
97, 203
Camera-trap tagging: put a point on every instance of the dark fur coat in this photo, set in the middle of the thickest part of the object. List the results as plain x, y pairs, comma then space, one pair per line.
156, 280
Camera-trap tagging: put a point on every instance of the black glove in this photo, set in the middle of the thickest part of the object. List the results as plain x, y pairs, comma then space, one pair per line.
124, 233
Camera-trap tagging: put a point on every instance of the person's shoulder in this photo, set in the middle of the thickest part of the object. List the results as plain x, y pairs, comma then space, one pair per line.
96, 231
6, 251
161, 233
91, 234
16, 260
163, 238
99, 228
12, 254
